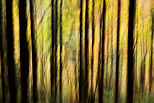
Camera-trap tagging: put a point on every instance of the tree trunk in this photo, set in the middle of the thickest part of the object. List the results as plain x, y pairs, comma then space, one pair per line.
86, 50
54, 66
61, 66
2, 53
34, 52
81, 57
56, 48
130, 65
101, 82
150, 85
10, 50
117, 53
24, 53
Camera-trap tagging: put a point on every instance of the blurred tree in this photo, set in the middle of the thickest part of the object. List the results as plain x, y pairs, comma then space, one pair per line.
151, 61
81, 57
24, 53
10, 51
117, 53
130, 65
53, 51
86, 50
54, 66
34, 51
103, 53
2, 53
61, 66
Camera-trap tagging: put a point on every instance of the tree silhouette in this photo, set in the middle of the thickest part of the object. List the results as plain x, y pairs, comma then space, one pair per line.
2, 53
117, 57
34, 55
130, 58
86, 50
24, 53
103, 48
81, 57
10, 50
61, 66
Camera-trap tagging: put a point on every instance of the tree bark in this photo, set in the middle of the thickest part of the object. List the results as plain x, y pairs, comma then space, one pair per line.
2, 53
117, 53
81, 57
101, 82
10, 51
130, 65
24, 53
54, 66
34, 52
86, 50
151, 63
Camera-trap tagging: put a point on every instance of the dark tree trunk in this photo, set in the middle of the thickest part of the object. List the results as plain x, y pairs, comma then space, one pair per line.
10, 50
117, 57
101, 82
81, 57
86, 50
54, 66
24, 53
61, 66
2, 53
56, 47
34, 55
130, 65
92, 59
151, 64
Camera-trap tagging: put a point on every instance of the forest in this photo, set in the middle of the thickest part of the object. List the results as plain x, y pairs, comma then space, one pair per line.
76, 51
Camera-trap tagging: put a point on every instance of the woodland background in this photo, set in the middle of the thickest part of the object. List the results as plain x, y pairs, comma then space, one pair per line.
76, 51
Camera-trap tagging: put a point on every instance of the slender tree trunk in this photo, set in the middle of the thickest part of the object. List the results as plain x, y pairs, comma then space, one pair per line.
34, 55
152, 27
81, 57
54, 50
24, 53
130, 65
52, 69
2, 53
92, 59
86, 50
117, 57
61, 66
10, 50
101, 82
